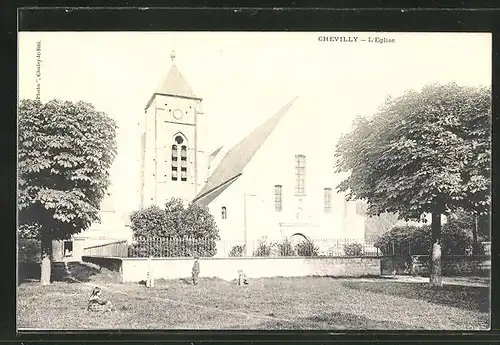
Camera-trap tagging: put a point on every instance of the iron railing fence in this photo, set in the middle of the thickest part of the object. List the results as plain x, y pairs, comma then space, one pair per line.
172, 247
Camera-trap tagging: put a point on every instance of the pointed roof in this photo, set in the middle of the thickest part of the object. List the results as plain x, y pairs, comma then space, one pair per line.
235, 160
174, 84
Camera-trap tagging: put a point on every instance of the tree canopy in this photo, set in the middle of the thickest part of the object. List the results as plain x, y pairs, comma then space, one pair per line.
157, 230
65, 151
421, 152
174, 220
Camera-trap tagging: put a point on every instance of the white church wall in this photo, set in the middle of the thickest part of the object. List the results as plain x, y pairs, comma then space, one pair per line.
231, 229
274, 164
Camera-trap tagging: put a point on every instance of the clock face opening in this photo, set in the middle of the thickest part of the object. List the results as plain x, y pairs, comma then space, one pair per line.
178, 114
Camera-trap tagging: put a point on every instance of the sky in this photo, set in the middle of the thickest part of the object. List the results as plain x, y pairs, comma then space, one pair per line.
243, 77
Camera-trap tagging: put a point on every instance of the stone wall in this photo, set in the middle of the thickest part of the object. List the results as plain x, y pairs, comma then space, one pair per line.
136, 269
453, 265
394, 264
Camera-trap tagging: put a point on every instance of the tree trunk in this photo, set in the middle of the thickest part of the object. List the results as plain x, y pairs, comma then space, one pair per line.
46, 242
435, 274
475, 245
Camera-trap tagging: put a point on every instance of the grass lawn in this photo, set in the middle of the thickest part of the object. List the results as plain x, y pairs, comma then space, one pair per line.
267, 303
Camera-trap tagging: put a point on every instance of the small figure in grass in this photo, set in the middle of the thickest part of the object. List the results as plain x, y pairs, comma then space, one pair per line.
195, 271
97, 303
150, 280
242, 278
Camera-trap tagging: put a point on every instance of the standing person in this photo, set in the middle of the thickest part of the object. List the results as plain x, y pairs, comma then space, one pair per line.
195, 271
242, 278
150, 280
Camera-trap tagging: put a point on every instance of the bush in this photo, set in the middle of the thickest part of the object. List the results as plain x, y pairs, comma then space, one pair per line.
174, 231
306, 248
263, 248
353, 249
237, 251
412, 240
285, 247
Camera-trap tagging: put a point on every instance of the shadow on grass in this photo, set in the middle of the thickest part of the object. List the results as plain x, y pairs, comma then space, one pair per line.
472, 298
368, 276
334, 321
76, 272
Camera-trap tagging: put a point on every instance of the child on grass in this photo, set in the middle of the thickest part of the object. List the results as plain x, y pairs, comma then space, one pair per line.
242, 278
97, 303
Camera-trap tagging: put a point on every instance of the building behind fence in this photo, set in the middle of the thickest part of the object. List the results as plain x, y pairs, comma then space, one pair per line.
29, 250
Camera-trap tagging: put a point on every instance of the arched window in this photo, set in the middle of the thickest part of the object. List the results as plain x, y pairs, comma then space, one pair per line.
278, 198
224, 212
328, 200
183, 163
179, 159
300, 175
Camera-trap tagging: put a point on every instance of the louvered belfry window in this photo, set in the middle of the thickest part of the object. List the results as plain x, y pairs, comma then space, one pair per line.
184, 163
179, 159
175, 162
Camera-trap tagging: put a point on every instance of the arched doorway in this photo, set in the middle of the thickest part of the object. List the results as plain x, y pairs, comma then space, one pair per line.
297, 238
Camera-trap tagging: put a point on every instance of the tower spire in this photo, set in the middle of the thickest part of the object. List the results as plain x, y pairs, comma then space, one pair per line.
172, 55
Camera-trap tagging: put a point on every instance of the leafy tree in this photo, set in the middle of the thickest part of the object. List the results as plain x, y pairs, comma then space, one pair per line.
65, 151
416, 240
423, 152
175, 222
478, 226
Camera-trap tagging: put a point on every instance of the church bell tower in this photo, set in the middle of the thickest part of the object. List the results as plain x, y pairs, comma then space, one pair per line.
173, 162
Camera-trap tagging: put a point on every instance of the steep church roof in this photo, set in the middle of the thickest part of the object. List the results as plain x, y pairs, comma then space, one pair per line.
214, 154
174, 84
235, 160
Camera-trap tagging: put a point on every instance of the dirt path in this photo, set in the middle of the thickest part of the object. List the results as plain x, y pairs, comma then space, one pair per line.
463, 281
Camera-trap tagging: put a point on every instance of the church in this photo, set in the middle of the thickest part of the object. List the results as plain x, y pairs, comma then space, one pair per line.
278, 181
